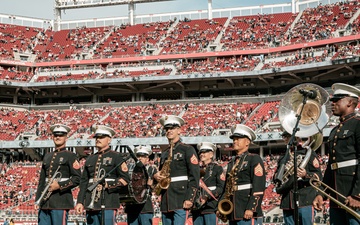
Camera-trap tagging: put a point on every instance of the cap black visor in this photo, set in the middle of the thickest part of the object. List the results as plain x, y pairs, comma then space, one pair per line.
171, 125
337, 97
59, 133
239, 136
205, 150
101, 135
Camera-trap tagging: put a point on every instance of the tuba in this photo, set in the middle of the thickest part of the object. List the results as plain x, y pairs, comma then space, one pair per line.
312, 144
314, 114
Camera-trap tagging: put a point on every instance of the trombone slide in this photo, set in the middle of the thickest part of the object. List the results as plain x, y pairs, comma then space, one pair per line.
317, 184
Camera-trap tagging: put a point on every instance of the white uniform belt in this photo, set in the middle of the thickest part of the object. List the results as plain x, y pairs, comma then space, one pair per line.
242, 187
179, 178
212, 188
59, 180
91, 180
337, 165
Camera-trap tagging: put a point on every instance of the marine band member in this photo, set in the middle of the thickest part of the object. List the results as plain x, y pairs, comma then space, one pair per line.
343, 169
142, 214
214, 179
178, 198
55, 208
96, 166
248, 183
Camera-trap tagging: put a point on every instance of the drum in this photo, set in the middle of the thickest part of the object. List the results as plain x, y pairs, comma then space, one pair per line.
138, 190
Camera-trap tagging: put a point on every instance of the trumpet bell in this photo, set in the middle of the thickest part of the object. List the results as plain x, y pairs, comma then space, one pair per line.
315, 114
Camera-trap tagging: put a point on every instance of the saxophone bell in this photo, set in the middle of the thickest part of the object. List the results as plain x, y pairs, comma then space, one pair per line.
164, 182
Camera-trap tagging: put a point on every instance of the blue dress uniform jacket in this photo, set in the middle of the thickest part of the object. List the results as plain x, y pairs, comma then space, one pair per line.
306, 193
250, 173
214, 179
69, 168
184, 163
344, 145
107, 160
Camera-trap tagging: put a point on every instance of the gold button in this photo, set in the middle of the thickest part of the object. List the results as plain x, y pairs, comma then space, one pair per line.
334, 158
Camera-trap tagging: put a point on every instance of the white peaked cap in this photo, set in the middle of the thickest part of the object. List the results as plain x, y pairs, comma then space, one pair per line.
143, 150
171, 121
345, 89
59, 128
241, 131
101, 130
203, 146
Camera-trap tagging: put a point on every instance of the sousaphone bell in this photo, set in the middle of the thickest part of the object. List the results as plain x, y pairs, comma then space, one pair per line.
315, 114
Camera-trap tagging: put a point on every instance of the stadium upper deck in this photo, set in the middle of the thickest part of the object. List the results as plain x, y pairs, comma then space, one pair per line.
184, 58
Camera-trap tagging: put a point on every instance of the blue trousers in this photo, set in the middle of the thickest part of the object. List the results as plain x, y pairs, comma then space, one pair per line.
177, 217
253, 221
139, 219
53, 217
204, 219
94, 217
306, 216
339, 216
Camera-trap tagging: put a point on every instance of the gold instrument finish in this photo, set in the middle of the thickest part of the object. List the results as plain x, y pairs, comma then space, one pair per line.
96, 193
323, 188
301, 160
164, 183
225, 206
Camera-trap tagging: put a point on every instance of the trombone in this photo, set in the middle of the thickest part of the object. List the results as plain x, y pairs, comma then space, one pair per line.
316, 183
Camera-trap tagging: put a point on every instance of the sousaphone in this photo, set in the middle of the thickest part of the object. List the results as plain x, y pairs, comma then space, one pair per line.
315, 114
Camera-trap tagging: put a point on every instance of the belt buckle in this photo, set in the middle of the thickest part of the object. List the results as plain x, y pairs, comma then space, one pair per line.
334, 166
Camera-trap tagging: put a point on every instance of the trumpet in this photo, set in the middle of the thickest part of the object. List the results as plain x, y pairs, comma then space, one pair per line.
96, 193
316, 183
45, 194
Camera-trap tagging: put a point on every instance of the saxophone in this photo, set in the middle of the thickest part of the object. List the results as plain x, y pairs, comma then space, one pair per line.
165, 172
225, 206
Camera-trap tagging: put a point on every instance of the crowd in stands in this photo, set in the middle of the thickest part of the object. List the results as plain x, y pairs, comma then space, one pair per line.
180, 36
257, 31
300, 57
132, 40
321, 22
218, 65
192, 35
196, 67
141, 121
